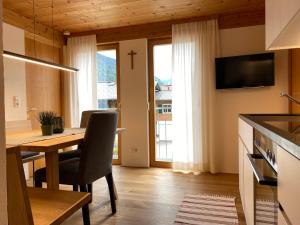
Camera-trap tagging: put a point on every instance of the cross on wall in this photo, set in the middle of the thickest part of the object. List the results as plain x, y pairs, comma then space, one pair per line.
132, 53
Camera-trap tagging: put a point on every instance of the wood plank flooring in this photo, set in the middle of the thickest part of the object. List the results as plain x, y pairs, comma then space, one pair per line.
152, 196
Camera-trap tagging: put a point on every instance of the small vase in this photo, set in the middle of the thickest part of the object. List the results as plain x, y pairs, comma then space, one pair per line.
58, 126
47, 130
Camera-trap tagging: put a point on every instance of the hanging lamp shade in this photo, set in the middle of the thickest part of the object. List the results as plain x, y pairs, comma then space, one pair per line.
29, 59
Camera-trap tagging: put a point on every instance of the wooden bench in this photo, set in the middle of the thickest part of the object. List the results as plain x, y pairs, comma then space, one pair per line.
37, 206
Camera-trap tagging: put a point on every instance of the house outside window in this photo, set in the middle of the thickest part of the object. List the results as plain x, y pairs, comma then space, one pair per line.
167, 108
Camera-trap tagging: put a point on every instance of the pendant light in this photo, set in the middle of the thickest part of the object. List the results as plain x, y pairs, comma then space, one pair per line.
35, 60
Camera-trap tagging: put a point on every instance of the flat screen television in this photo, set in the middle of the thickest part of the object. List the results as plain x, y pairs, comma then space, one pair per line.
245, 71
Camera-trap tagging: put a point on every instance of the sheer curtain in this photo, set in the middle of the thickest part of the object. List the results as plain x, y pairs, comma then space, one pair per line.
195, 46
80, 89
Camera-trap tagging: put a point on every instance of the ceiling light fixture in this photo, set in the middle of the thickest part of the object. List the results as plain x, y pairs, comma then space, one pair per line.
29, 59
34, 60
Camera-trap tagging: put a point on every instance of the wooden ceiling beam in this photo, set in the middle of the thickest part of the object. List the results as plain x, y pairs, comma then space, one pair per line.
42, 33
164, 29
85, 15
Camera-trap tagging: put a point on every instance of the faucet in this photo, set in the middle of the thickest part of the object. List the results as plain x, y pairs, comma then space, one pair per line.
282, 94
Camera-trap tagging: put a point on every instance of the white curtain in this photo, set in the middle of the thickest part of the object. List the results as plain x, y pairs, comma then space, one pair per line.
195, 46
80, 89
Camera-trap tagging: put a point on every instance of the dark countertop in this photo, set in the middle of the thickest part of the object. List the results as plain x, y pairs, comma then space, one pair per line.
281, 128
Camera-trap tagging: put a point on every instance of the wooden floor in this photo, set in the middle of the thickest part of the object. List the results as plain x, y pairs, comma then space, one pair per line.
152, 196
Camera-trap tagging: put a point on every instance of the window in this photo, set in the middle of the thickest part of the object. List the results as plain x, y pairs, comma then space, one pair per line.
160, 87
108, 85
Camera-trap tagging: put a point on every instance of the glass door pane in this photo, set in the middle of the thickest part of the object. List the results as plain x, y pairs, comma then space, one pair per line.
162, 68
107, 84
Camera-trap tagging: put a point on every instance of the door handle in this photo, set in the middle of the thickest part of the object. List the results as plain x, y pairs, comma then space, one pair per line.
263, 180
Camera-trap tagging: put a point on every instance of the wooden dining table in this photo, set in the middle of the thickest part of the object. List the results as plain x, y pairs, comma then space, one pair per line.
49, 145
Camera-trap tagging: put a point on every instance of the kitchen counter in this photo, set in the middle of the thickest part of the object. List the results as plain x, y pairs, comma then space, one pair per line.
283, 129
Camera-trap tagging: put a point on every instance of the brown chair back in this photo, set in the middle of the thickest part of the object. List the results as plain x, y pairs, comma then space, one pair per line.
85, 116
97, 146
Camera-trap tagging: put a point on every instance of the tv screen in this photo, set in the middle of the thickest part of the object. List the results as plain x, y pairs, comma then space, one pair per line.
245, 71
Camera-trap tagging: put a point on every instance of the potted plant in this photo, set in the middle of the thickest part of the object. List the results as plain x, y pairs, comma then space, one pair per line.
47, 119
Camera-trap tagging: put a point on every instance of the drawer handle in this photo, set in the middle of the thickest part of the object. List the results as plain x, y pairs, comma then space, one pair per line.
269, 181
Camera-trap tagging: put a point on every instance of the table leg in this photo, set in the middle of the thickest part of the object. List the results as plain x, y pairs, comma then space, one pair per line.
52, 170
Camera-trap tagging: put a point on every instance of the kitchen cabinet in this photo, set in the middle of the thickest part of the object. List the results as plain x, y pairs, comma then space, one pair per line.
246, 135
282, 24
246, 178
241, 171
288, 184
248, 190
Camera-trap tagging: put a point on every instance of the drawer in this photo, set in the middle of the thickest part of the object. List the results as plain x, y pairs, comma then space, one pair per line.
289, 184
246, 134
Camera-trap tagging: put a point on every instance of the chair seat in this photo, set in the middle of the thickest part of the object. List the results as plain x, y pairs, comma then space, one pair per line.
25, 154
68, 172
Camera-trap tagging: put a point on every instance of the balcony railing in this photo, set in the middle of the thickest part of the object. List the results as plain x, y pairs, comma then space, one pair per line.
164, 148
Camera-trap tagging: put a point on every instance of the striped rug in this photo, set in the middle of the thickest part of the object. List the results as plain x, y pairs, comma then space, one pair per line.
266, 212
207, 210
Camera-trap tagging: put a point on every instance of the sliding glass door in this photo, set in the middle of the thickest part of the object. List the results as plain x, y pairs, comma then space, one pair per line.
160, 87
108, 88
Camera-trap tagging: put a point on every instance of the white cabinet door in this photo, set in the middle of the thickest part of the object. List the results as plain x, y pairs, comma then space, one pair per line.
289, 184
241, 170
248, 190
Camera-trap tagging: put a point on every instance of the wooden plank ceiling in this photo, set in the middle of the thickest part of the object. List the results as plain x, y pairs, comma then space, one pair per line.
85, 15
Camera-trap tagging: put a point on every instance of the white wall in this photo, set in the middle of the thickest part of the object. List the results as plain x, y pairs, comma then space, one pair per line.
15, 78
14, 74
134, 104
229, 103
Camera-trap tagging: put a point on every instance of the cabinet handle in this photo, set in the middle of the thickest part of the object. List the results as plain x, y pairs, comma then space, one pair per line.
269, 181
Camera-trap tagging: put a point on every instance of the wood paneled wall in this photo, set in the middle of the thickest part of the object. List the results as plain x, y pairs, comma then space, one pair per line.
164, 29
43, 84
295, 78
3, 181
42, 33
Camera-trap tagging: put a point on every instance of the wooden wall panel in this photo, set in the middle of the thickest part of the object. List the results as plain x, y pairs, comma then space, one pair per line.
3, 181
43, 84
295, 79
42, 33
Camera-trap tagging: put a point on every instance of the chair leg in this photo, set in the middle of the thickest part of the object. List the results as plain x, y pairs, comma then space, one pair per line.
75, 187
110, 182
33, 169
85, 209
90, 190
37, 183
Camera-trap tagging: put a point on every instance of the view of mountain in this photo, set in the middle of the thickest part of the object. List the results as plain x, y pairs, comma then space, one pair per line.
106, 68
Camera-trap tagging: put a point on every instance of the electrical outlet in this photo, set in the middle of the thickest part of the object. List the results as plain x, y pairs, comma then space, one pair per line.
16, 102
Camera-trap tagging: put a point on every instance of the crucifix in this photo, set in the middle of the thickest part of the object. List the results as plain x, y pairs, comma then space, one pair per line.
132, 53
